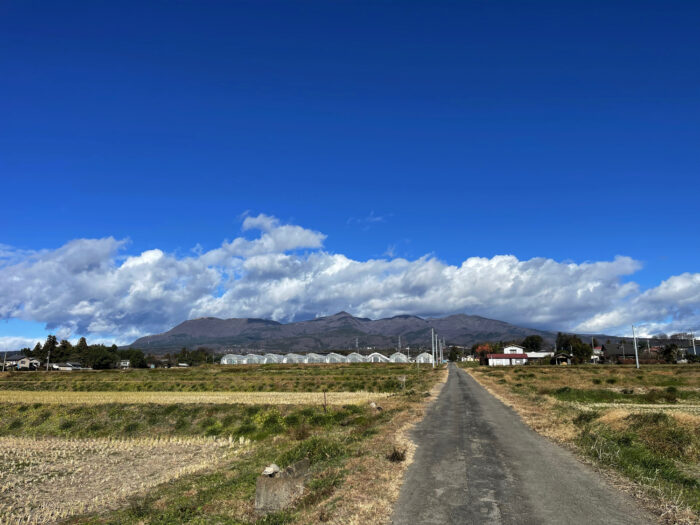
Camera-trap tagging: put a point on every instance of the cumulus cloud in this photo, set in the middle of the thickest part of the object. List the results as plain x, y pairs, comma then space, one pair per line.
89, 286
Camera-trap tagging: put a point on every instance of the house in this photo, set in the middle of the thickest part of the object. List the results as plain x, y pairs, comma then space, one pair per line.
425, 357
506, 359
514, 349
376, 357
28, 363
398, 357
125, 363
11, 361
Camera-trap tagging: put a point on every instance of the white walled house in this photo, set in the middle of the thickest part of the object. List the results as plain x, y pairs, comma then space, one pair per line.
514, 349
509, 359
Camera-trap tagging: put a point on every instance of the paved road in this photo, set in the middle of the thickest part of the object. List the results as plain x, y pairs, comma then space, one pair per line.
477, 462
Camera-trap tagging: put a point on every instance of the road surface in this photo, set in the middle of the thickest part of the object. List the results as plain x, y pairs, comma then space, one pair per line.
477, 462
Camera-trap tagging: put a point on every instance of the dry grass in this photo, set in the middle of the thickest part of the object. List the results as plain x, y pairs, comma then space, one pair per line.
47, 480
373, 483
169, 398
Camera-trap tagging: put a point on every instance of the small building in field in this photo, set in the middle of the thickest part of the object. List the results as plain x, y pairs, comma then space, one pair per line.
398, 357
354, 357
336, 358
425, 357
125, 363
561, 358
509, 359
376, 357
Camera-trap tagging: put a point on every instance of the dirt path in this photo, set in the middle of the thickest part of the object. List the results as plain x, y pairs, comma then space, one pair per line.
477, 462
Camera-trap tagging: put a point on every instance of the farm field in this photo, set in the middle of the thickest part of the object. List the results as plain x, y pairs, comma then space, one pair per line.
343, 377
643, 424
172, 456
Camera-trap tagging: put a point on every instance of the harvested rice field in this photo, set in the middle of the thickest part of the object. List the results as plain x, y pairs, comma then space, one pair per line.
173, 446
45, 480
167, 398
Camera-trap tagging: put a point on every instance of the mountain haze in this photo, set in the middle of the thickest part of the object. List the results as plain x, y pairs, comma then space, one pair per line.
334, 332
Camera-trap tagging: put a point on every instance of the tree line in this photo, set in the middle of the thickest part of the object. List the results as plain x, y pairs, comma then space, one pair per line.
96, 356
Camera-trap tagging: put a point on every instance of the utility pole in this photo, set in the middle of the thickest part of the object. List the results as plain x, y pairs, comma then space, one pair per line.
432, 344
399, 349
48, 359
692, 335
636, 355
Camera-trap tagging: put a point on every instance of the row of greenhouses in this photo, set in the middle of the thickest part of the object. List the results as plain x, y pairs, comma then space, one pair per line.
332, 357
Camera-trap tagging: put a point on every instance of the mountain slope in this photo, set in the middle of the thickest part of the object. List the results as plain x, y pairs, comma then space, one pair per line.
339, 331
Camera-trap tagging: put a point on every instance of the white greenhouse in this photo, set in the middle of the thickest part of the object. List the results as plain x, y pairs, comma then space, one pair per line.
398, 357
425, 357
231, 359
336, 358
272, 358
315, 358
294, 358
356, 358
376, 357
253, 359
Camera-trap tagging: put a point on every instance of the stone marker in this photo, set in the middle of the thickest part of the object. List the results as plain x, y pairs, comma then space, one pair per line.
276, 490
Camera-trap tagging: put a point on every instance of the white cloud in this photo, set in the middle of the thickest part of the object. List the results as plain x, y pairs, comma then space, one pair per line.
88, 287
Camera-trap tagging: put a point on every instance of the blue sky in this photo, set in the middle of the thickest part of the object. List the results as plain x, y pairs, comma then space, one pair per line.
557, 130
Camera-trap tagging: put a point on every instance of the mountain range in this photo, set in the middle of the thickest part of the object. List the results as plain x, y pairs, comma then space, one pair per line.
335, 332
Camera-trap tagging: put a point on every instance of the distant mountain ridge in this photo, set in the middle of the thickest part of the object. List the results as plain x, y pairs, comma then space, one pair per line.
334, 332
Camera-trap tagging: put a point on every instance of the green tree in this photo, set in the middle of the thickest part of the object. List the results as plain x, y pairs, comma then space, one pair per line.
570, 343
49, 348
63, 351
533, 343
669, 353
